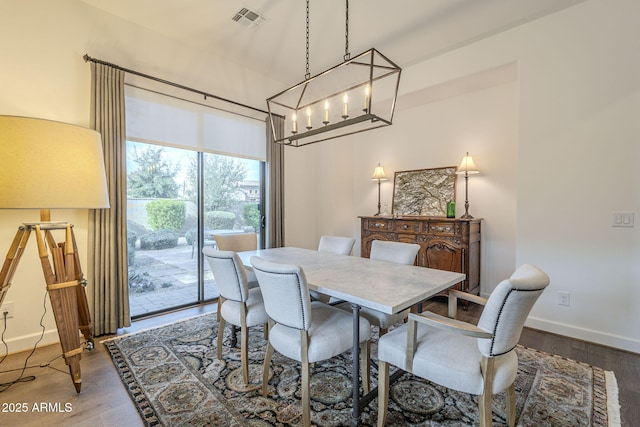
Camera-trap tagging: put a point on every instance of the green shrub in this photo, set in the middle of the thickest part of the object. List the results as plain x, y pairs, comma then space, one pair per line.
251, 215
166, 214
219, 220
161, 239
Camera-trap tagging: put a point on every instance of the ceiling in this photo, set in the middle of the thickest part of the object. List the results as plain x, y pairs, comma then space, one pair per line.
406, 31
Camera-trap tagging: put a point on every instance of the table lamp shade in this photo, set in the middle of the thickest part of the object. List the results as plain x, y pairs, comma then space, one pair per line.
378, 174
467, 166
50, 165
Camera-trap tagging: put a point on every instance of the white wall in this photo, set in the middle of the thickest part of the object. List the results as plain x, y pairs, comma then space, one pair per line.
42, 74
555, 148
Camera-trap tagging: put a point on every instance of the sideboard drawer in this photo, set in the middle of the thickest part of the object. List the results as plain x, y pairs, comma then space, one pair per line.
378, 224
407, 226
444, 228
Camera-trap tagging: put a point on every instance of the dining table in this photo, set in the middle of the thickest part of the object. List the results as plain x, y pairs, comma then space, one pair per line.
379, 285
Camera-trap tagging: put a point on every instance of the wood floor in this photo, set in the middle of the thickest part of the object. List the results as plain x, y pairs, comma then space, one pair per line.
50, 399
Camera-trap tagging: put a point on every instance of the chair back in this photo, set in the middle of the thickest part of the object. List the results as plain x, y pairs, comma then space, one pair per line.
508, 307
284, 292
238, 242
399, 252
336, 244
229, 273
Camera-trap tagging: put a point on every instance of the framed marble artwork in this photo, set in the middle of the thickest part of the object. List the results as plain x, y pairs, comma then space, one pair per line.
424, 192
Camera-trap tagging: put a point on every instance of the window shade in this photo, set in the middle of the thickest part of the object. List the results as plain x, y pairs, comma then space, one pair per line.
157, 118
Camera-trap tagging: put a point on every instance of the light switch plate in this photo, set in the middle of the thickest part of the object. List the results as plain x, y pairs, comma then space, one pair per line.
622, 219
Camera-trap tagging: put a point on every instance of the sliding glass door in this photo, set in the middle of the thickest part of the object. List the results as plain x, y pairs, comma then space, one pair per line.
193, 170
177, 200
231, 203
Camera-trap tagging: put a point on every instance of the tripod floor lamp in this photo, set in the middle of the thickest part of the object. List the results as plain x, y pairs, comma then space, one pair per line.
51, 165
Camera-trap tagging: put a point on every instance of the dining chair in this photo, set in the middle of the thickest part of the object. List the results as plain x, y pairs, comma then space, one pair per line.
336, 245
398, 252
238, 304
303, 330
478, 360
237, 242
207, 241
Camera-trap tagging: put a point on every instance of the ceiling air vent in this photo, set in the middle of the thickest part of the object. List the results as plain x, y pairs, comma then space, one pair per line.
248, 18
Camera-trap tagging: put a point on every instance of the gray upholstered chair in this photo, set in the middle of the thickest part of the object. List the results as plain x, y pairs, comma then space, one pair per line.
335, 245
302, 330
398, 252
478, 360
237, 304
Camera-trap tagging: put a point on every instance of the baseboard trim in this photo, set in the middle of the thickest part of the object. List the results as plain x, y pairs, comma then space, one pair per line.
27, 342
610, 340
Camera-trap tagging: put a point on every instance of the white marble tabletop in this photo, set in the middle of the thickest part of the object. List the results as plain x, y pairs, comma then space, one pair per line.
380, 285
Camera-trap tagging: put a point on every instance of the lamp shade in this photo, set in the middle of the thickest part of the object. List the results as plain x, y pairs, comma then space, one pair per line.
467, 166
378, 174
46, 164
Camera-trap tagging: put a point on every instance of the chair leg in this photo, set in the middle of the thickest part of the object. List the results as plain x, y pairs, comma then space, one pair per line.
244, 357
265, 370
220, 302
244, 343
221, 324
306, 399
484, 405
484, 400
511, 406
365, 365
383, 392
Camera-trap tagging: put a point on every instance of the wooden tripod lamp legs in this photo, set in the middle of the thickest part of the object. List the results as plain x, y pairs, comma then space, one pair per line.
64, 285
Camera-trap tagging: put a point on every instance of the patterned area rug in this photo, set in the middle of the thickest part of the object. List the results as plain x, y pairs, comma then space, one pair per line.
175, 379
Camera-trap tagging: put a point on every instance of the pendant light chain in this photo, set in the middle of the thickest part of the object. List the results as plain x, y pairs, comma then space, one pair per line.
308, 75
347, 55
338, 101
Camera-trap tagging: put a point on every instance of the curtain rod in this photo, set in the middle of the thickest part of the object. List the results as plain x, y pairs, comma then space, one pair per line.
206, 95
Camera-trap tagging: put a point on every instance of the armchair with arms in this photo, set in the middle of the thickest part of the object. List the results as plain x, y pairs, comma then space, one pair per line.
480, 359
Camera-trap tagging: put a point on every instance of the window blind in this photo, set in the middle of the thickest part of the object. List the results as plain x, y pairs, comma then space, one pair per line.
167, 120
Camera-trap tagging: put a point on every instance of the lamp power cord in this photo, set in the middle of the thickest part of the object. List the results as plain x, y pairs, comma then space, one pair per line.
22, 378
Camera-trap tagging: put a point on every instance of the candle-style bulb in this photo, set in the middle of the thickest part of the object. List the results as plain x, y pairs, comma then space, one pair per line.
326, 113
309, 127
345, 107
294, 119
367, 92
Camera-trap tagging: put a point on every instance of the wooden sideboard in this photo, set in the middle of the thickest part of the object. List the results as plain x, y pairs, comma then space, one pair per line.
451, 244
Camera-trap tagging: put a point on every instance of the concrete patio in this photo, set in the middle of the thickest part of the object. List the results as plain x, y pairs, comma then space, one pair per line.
174, 275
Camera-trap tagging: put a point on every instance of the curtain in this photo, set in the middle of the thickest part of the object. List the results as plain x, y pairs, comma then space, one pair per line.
275, 185
107, 241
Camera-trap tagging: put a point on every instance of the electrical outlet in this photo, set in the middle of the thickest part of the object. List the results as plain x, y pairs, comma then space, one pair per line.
7, 307
564, 298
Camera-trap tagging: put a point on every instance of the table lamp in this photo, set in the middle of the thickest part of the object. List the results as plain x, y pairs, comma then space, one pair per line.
379, 175
52, 165
467, 167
